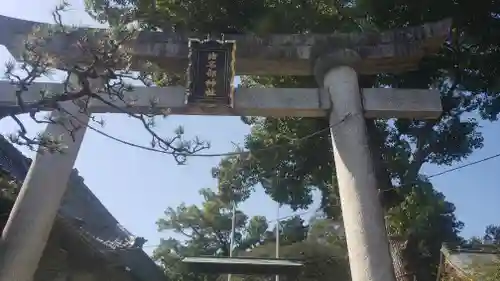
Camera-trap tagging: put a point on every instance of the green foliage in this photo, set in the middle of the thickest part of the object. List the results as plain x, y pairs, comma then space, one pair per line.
327, 231
209, 227
9, 189
321, 262
465, 71
419, 206
292, 230
491, 238
424, 219
205, 231
492, 234
102, 70
250, 16
234, 178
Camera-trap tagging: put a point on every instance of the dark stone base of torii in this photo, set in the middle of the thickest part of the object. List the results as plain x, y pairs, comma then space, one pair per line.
335, 59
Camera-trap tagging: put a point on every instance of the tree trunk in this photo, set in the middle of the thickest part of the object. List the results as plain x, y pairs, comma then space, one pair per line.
388, 198
402, 270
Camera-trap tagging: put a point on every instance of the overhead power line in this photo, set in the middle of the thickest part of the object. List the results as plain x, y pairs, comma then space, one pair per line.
222, 154
428, 176
268, 221
314, 210
292, 141
482, 160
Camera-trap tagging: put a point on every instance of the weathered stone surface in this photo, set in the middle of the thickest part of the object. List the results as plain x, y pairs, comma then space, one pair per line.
68, 256
277, 102
391, 51
401, 103
86, 243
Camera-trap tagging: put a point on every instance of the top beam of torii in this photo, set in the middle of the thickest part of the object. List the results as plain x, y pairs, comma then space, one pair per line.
392, 51
334, 59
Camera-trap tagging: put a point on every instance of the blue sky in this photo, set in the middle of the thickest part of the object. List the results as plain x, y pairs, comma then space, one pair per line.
137, 186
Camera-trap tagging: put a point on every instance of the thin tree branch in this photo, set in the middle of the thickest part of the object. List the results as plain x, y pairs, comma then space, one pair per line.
103, 55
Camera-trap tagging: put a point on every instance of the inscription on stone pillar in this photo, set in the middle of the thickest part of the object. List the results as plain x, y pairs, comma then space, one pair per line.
210, 73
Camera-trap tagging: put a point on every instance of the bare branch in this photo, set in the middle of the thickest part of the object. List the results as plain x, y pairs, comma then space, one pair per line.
96, 79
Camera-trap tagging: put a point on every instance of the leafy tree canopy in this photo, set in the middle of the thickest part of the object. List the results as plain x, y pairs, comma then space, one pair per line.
321, 261
465, 71
424, 220
490, 237
205, 230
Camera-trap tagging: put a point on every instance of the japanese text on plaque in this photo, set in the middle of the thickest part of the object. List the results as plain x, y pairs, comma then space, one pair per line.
211, 81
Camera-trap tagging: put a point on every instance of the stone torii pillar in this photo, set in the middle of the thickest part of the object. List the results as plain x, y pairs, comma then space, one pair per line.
337, 60
362, 212
30, 222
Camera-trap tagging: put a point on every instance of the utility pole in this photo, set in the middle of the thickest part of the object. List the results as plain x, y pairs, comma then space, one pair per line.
278, 237
336, 67
231, 244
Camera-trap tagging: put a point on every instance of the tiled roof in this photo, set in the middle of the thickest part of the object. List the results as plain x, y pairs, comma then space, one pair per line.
90, 217
465, 259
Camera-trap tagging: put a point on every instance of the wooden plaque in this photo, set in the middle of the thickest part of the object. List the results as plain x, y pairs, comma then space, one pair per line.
210, 73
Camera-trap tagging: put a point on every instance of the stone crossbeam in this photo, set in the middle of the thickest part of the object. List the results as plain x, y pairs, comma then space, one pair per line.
391, 51
336, 61
277, 102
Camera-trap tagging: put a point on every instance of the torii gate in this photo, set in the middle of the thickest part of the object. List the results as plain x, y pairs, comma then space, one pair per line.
335, 60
